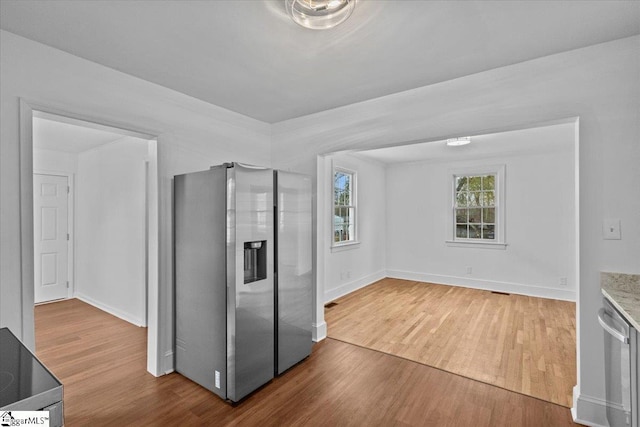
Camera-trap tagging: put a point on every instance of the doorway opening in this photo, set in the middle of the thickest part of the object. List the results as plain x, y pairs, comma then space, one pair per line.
417, 189
95, 192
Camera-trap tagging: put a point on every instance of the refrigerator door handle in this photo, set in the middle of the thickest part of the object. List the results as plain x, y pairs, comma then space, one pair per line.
602, 315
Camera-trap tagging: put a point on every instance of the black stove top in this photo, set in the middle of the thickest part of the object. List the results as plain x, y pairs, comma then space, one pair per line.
21, 373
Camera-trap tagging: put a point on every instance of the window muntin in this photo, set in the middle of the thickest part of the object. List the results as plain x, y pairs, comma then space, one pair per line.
344, 207
475, 205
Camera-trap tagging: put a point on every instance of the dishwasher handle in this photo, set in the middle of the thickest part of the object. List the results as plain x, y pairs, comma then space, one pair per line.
610, 329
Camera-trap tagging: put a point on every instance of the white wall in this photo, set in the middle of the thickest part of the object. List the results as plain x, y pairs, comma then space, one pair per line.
351, 267
540, 218
191, 135
598, 84
54, 161
110, 228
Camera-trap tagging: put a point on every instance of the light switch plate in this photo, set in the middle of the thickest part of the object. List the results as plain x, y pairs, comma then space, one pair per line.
611, 229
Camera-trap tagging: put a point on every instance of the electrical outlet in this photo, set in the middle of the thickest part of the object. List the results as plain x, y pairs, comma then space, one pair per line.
563, 281
217, 376
469, 270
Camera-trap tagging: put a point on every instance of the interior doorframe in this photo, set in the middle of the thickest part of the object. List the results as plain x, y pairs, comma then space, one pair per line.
322, 212
71, 207
26, 246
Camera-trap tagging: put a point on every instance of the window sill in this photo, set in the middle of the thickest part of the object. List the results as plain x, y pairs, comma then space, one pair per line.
484, 245
345, 246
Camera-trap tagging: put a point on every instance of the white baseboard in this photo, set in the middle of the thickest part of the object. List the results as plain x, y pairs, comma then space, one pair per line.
318, 331
588, 410
347, 288
168, 362
113, 311
489, 285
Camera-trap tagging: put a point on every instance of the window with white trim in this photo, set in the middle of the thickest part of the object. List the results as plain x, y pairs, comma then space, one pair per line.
344, 206
478, 206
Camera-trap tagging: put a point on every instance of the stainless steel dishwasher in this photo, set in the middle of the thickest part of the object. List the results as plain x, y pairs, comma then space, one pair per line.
620, 352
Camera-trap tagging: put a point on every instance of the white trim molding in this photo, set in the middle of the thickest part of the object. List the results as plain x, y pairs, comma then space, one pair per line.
489, 285
113, 311
168, 363
319, 331
347, 288
588, 410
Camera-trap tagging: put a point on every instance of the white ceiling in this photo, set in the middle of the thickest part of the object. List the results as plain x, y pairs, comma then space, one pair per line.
70, 138
247, 56
550, 138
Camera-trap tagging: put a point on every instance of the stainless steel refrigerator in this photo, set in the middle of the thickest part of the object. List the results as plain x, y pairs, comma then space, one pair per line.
233, 324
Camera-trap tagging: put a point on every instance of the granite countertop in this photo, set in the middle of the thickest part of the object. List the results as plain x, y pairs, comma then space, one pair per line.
623, 291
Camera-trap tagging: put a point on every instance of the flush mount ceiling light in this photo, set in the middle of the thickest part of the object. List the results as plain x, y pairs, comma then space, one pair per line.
455, 142
319, 14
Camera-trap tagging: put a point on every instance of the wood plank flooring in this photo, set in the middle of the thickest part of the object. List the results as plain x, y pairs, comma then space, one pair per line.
101, 361
520, 343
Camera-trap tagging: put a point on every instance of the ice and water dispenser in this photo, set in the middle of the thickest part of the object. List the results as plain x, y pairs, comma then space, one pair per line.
255, 261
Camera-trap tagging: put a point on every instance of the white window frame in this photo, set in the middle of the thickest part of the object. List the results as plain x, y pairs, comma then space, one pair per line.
354, 204
499, 242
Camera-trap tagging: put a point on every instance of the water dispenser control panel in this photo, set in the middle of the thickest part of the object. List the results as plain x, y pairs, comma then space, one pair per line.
255, 261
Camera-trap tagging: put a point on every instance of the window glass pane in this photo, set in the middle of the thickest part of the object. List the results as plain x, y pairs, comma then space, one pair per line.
461, 230
489, 182
340, 224
338, 182
343, 180
474, 231
475, 183
345, 232
489, 215
461, 215
345, 197
342, 188
488, 231
461, 199
474, 198
475, 216
488, 198
344, 215
337, 195
461, 183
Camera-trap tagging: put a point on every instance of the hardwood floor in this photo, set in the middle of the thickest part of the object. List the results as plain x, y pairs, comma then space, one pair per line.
101, 361
520, 343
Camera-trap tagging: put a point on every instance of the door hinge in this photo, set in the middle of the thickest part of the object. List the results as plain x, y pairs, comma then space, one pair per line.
67, 284
67, 236
68, 189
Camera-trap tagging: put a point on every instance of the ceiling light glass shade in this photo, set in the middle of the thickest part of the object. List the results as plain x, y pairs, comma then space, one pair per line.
319, 14
459, 141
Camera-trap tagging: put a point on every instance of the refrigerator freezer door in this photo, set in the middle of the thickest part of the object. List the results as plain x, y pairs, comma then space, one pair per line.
294, 269
250, 306
200, 279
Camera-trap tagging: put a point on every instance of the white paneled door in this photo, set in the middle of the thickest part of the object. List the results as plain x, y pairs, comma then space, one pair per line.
50, 201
